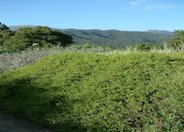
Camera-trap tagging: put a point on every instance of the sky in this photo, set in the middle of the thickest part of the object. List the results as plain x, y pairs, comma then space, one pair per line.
125, 15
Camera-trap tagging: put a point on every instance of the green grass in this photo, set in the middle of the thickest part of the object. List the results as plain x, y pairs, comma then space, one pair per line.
98, 92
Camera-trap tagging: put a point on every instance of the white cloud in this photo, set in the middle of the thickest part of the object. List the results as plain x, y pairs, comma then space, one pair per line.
150, 4
138, 3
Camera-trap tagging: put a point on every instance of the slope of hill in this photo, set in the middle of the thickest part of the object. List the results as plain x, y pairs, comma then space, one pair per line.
114, 37
92, 92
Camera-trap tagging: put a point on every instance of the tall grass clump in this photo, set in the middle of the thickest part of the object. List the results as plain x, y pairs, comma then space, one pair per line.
96, 92
9, 61
164, 49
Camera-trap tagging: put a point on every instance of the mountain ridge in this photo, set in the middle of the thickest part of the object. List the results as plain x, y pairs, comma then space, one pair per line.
113, 37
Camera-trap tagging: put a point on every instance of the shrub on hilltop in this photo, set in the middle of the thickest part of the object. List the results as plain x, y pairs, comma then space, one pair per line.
39, 36
5, 33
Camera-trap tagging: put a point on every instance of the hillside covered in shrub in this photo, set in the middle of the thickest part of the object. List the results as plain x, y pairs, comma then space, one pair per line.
96, 92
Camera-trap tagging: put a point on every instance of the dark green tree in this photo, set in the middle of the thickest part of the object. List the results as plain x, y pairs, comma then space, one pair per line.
3, 26
177, 41
41, 36
16, 43
5, 33
61, 38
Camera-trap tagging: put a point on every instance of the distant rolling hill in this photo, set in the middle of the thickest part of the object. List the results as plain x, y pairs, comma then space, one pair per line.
118, 38
114, 37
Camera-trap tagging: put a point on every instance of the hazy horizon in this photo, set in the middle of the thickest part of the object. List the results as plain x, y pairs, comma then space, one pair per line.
27, 25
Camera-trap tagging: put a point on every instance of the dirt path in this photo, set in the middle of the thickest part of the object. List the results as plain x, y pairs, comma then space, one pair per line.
10, 124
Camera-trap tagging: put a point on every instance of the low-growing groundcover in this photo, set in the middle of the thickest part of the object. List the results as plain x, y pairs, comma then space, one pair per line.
92, 92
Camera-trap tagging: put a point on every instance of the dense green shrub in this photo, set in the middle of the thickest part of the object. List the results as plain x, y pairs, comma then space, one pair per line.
177, 41
92, 92
39, 36
5, 33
